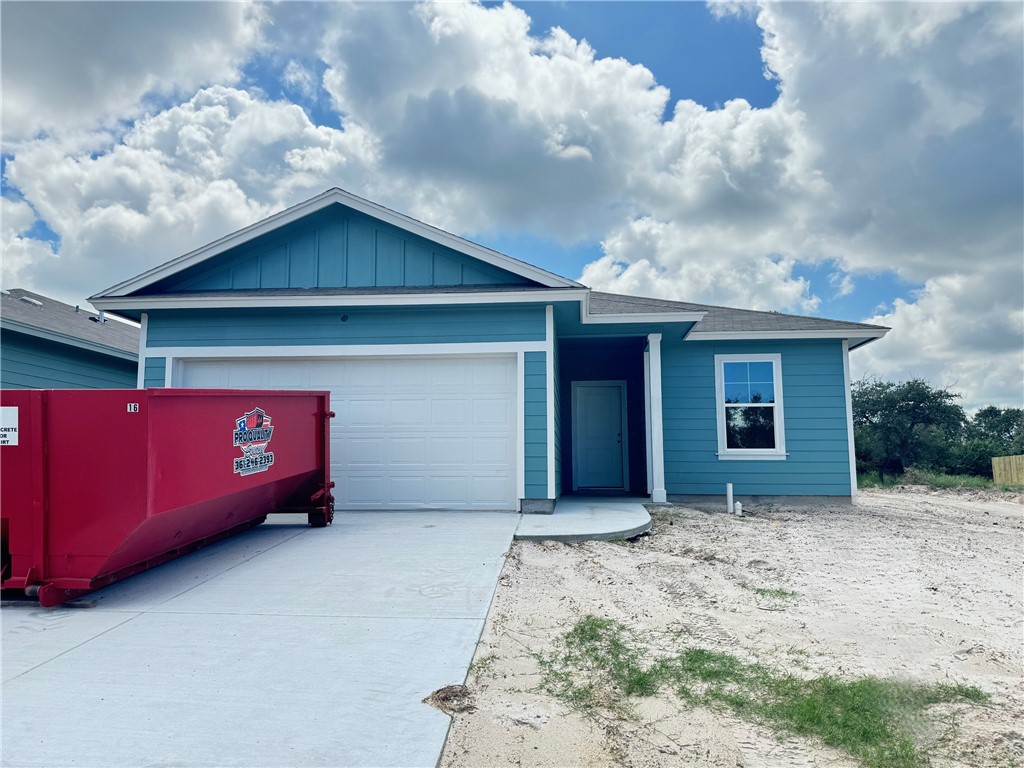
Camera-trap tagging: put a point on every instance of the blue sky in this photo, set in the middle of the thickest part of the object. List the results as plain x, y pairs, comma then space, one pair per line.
874, 174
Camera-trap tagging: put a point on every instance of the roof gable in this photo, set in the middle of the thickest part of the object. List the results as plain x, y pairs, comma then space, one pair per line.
337, 240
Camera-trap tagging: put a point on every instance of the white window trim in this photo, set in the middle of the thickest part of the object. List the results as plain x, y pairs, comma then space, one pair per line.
778, 453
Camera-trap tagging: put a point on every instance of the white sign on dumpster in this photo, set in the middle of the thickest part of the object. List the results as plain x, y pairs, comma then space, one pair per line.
8, 425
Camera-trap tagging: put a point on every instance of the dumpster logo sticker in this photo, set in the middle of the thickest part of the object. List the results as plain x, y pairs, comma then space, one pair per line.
252, 434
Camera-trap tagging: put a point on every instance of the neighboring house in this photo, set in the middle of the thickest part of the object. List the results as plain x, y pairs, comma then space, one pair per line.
45, 344
465, 379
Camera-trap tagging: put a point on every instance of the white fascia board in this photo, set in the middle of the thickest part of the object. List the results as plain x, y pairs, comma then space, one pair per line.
115, 303
318, 203
71, 341
839, 333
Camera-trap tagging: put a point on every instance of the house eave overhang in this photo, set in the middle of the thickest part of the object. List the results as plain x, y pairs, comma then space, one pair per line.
247, 301
862, 335
63, 338
612, 318
330, 197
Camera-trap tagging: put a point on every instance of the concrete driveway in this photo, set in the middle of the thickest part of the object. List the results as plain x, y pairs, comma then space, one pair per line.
285, 646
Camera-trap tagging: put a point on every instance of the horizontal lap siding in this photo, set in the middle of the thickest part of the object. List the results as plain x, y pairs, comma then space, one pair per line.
535, 423
154, 374
279, 327
30, 363
813, 390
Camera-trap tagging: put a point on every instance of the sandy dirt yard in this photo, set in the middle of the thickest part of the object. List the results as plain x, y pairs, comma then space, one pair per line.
908, 583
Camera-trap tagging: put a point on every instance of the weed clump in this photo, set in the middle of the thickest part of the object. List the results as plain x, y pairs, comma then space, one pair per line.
600, 664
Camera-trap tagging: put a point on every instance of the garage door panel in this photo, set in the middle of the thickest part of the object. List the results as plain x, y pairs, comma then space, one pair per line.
407, 452
410, 412
448, 412
410, 433
491, 411
363, 452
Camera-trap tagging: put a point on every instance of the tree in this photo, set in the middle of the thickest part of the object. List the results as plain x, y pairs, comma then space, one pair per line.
1004, 427
905, 424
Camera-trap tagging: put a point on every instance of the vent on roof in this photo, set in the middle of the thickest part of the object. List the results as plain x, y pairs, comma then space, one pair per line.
30, 300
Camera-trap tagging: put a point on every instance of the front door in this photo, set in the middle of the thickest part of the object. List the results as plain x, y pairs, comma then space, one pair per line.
599, 437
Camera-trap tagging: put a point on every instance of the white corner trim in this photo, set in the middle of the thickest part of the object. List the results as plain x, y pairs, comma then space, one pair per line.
724, 453
658, 493
171, 367
227, 301
140, 382
647, 418
851, 447
521, 426
839, 333
352, 350
356, 203
549, 359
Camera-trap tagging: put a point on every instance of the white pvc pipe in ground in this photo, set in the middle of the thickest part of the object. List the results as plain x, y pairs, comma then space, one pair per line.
739, 509
728, 498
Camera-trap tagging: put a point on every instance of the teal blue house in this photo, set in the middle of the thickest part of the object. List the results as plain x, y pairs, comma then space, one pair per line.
466, 379
47, 344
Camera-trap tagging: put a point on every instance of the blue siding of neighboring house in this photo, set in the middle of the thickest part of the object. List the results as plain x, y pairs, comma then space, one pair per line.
27, 362
535, 423
154, 372
401, 325
813, 387
336, 248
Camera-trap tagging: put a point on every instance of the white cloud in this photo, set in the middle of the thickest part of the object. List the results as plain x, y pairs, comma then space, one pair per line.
961, 332
21, 255
78, 65
180, 179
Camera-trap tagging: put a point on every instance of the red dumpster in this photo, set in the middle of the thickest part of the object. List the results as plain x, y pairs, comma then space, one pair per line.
96, 485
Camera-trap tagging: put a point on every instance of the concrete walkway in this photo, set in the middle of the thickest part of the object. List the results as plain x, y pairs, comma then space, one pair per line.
579, 518
283, 646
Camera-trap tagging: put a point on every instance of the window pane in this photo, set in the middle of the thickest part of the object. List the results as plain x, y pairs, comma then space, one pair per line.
737, 393
761, 372
735, 372
749, 427
762, 393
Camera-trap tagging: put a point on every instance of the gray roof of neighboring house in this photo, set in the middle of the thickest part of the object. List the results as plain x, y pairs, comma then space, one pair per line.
48, 318
720, 319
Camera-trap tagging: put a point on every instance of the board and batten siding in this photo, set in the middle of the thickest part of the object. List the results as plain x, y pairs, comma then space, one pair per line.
813, 386
336, 248
319, 325
535, 424
27, 362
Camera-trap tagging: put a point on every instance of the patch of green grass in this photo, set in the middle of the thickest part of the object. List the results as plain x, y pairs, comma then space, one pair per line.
482, 666
602, 664
915, 476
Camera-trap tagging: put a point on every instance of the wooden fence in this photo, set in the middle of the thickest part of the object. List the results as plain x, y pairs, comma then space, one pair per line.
1008, 470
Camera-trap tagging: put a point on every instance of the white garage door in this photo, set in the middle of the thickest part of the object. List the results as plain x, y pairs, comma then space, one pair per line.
410, 433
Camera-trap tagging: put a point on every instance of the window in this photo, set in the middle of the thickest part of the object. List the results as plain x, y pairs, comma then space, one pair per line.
749, 407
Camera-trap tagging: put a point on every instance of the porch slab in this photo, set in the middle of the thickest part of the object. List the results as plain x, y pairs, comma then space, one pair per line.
587, 519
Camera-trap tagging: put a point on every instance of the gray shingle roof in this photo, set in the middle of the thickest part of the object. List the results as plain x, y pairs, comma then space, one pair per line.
54, 317
721, 319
